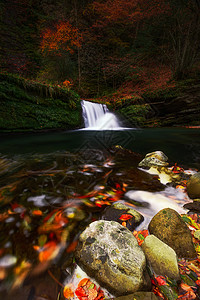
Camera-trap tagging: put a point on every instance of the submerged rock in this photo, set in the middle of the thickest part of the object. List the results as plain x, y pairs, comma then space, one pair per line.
193, 186
110, 253
121, 154
157, 158
168, 226
137, 180
116, 211
161, 257
193, 206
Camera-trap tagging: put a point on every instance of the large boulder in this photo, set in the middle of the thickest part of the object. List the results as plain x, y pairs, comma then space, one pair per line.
168, 226
120, 213
193, 186
161, 257
110, 253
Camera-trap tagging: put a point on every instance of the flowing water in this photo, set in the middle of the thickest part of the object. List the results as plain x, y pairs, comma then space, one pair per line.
97, 117
53, 184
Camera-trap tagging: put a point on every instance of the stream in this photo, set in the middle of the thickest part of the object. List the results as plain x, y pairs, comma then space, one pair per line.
52, 185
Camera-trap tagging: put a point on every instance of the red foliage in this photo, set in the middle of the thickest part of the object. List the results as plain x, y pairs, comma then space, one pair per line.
63, 38
129, 11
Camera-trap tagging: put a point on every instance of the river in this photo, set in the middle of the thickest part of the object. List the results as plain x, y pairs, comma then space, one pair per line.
53, 184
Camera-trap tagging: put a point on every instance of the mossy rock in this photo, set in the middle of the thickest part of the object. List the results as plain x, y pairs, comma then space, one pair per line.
168, 226
193, 186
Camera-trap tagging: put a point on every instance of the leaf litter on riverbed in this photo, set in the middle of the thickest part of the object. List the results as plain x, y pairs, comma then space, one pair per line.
47, 230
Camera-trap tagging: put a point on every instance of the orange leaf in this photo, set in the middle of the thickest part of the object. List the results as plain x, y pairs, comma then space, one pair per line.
49, 252
186, 287
67, 292
83, 282
37, 212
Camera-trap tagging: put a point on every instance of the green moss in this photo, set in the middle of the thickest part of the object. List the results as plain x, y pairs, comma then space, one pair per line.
135, 114
27, 105
168, 93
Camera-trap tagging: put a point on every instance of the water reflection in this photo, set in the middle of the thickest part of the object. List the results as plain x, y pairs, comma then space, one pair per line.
181, 145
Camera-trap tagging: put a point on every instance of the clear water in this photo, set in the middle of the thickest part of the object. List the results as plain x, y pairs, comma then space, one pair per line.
179, 144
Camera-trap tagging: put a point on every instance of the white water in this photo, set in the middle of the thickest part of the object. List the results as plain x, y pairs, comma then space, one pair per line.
97, 117
154, 202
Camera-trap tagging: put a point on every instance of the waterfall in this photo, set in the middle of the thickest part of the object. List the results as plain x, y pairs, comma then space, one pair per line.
97, 116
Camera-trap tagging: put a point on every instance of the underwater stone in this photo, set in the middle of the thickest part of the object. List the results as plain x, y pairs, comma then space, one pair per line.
117, 209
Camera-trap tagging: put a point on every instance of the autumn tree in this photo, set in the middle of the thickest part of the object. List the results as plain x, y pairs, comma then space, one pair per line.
115, 36
64, 37
59, 44
19, 37
183, 36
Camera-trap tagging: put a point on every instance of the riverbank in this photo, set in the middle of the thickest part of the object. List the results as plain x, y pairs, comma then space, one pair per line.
32, 106
174, 104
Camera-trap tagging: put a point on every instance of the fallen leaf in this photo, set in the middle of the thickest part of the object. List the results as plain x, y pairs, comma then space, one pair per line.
37, 212
126, 217
68, 292
83, 282
80, 292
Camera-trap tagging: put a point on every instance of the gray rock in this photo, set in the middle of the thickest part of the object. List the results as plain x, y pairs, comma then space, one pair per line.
161, 257
193, 186
158, 154
168, 226
110, 253
152, 161
157, 158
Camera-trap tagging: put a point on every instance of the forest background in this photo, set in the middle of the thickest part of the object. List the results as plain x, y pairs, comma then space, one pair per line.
119, 52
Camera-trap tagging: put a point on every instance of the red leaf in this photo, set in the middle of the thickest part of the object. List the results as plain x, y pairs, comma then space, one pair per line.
126, 217
80, 292
160, 280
